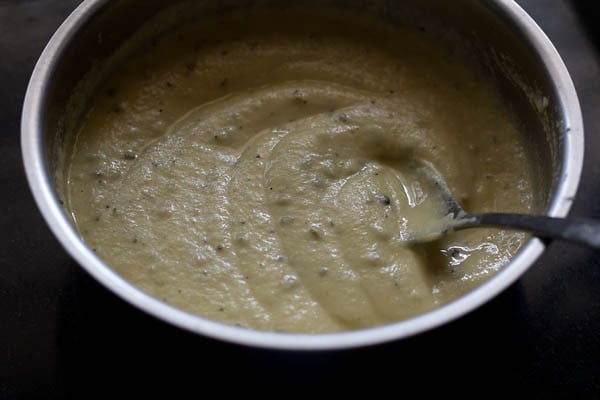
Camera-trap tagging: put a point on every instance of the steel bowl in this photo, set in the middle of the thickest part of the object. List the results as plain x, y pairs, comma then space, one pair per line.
513, 52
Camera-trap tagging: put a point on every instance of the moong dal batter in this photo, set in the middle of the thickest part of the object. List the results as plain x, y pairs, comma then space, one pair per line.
264, 177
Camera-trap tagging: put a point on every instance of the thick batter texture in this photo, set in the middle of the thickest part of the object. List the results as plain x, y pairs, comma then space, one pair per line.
260, 171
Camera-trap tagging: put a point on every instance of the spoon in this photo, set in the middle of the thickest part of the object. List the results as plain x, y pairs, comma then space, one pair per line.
583, 231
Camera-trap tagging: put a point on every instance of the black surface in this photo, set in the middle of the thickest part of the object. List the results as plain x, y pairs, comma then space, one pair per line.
63, 335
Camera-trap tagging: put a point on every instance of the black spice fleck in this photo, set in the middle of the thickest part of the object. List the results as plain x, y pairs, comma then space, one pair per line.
129, 155
385, 200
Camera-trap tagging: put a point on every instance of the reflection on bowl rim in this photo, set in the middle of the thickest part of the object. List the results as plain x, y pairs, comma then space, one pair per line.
40, 182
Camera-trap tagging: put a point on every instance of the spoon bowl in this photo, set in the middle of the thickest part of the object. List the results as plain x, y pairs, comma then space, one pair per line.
449, 216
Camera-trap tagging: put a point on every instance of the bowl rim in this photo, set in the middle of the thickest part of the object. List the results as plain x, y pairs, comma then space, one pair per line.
32, 145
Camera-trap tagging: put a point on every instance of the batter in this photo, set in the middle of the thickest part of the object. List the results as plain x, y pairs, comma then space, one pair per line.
259, 171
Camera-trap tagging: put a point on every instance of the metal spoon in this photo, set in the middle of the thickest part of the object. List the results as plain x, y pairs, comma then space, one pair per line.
583, 231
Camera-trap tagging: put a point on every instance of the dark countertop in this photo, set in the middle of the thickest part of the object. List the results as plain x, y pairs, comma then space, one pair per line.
63, 335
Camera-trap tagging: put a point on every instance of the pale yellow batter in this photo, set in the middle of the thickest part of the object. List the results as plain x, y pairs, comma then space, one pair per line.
259, 171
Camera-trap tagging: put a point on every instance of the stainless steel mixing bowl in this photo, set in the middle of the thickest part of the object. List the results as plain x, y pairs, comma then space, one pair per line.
511, 49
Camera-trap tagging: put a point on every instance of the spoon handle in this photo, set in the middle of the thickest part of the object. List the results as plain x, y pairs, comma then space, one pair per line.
584, 231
